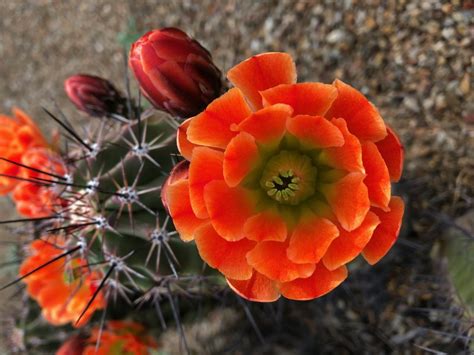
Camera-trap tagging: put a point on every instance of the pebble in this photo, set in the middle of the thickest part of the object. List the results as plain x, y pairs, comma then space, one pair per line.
336, 36
465, 85
411, 104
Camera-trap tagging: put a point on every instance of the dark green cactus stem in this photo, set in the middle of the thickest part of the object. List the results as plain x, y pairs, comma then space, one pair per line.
131, 220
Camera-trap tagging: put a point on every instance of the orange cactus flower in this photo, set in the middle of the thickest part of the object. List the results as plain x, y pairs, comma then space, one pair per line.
64, 287
120, 337
35, 200
287, 182
17, 134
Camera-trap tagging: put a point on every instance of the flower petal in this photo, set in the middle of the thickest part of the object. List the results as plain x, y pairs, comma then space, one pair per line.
176, 88
315, 131
206, 166
28, 121
185, 147
228, 209
392, 153
261, 72
349, 199
310, 239
363, 119
179, 205
305, 98
55, 293
212, 127
179, 172
377, 179
228, 257
267, 125
318, 284
267, 225
240, 157
258, 288
146, 84
387, 231
347, 157
348, 245
270, 259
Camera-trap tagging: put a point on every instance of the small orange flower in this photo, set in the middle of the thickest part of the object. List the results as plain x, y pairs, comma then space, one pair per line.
64, 287
17, 134
35, 200
120, 337
287, 182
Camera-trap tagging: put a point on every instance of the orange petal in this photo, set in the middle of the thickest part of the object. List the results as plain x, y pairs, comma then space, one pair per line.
179, 172
206, 166
391, 150
348, 245
361, 116
258, 288
32, 210
318, 284
386, 233
212, 127
310, 239
228, 209
27, 120
270, 259
25, 191
266, 225
349, 199
347, 157
22, 117
179, 205
27, 137
315, 131
305, 98
54, 293
240, 157
267, 125
43, 159
185, 147
262, 72
227, 257
377, 179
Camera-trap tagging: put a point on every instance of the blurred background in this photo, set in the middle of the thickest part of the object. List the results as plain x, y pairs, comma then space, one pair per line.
413, 60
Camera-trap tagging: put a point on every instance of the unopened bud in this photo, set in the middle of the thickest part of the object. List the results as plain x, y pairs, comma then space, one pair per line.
175, 72
94, 95
73, 346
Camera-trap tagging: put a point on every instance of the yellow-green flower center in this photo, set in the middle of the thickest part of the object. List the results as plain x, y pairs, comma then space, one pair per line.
289, 177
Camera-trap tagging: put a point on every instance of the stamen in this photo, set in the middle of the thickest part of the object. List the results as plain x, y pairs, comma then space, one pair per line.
283, 186
289, 177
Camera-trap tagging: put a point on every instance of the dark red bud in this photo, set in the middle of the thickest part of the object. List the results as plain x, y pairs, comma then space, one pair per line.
179, 172
94, 95
175, 72
73, 346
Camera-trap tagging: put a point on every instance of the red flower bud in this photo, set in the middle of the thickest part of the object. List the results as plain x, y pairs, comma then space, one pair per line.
175, 72
94, 95
73, 346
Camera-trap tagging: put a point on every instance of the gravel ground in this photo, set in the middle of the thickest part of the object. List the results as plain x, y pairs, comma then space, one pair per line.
413, 59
